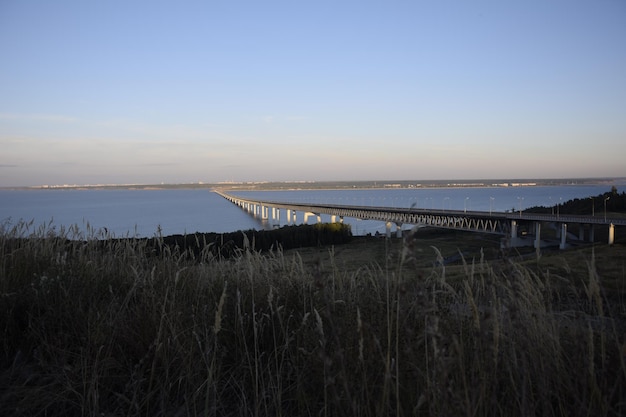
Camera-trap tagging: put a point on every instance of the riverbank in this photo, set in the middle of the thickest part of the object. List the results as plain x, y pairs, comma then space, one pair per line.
339, 185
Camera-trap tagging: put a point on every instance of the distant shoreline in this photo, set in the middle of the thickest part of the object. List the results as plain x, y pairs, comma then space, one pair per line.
339, 185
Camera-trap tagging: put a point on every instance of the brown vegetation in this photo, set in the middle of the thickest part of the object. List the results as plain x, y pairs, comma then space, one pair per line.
375, 327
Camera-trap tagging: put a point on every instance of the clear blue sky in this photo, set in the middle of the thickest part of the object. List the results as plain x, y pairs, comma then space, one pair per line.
154, 91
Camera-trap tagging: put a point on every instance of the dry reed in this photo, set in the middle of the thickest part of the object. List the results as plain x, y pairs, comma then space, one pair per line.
95, 326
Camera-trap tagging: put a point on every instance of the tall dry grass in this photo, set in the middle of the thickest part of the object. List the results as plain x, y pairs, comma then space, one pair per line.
94, 326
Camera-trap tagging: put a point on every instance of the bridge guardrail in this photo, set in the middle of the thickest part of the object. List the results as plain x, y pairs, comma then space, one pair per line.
326, 208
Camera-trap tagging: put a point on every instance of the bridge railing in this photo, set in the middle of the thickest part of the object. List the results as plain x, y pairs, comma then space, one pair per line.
375, 210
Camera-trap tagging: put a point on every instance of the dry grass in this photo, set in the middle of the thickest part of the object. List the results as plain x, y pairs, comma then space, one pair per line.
92, 327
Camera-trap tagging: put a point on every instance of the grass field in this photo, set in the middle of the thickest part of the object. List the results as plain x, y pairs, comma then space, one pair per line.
371, 328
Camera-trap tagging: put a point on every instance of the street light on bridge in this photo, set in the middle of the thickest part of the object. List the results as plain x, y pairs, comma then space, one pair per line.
520, 199
491, 204
465, 205
605, 200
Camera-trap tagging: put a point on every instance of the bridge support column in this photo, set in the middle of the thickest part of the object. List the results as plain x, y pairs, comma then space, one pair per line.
398, 230
513, 229
581, 232
264, 212
563, 236
611, 234
537, 235
309, 214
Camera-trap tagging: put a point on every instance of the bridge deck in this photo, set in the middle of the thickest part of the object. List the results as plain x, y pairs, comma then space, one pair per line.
463, 219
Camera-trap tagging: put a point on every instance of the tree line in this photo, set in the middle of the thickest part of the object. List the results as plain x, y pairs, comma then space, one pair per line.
225, 245
615, 203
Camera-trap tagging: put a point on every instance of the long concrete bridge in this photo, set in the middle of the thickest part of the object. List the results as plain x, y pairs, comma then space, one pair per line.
517, 228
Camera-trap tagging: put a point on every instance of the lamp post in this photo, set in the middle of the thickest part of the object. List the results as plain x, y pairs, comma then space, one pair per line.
491, 204
605, 200
443, 203
520, 199
465, 205
593, 207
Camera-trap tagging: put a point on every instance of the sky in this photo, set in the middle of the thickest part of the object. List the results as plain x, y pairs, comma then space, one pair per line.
129, 92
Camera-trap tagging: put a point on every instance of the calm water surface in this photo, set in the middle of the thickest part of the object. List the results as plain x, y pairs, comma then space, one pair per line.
140, 213
143, 213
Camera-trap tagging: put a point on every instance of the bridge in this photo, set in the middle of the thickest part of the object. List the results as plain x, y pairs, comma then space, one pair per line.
517, 228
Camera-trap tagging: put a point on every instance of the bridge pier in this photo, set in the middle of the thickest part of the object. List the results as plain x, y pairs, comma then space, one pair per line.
563, 243
309, 214
398, 229
275, 216
611, 234
537, 235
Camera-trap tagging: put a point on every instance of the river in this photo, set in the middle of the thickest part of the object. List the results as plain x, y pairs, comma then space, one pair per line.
146, 213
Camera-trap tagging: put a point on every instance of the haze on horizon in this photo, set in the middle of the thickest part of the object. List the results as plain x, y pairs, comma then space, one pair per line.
176, 92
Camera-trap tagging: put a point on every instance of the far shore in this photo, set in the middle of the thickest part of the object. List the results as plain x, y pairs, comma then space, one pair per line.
338, 185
